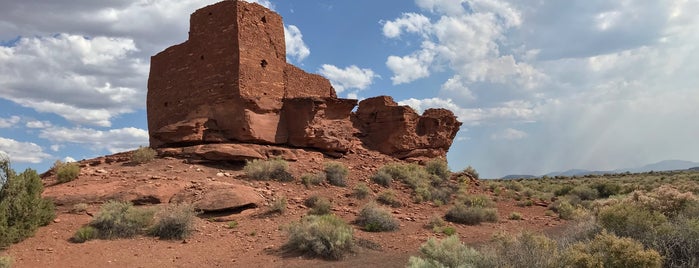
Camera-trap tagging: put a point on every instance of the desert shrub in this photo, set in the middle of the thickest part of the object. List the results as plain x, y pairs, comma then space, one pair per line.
680, 246
84, 234
666, 199
312, 179
326, 235
66, 172
121, 220
482, 201
525, 250
372, 218
174, 222
22, 209
448, 230
563, 190
5, 262
564, 209
361, 191
278, 205
382, 178
320, 206
435, 222
632, 221
78, 208
461, 213
438, 167
143, 155
272, 169
336, 173
232, 224
607, 189
471, 171
514, 186
584, 192
608, 250
389, 197
525, 203
515, 216
449, 252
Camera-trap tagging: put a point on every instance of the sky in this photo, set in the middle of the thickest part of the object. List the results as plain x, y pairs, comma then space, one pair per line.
540, 86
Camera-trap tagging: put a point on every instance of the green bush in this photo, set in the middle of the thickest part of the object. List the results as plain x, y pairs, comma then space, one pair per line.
374, 219
5, 262
174, 222
232, 224
607, 189
515, 216
525, 250
121, 220
278, 206
326, 235
564, 209
585, 192
471, 171
471, 215
143, 155
22, 209
320, 206
389, 197
482, 201
84, 234
449, 252
632, 221
382, 178
336, 173
361, 191
439, 168
680, 246
265, 170
66, 172
79, 208
312, 179
608, 250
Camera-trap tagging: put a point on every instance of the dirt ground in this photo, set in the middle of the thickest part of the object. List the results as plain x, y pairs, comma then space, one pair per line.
257, 240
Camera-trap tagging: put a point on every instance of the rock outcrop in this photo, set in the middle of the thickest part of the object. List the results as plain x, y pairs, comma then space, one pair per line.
229, 83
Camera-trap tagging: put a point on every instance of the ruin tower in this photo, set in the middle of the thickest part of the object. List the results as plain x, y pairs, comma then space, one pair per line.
227, 81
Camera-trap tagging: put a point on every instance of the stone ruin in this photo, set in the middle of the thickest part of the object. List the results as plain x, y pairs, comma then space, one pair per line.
227, 93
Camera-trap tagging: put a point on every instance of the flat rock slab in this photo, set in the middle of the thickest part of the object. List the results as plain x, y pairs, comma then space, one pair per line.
219, 196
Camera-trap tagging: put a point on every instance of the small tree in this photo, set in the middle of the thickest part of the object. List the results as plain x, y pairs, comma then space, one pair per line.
22, 209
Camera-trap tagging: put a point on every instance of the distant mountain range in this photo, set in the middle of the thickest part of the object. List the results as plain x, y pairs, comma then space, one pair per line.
660, 166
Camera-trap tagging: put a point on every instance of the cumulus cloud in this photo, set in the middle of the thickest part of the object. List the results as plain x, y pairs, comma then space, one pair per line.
9, 122
295, 46
509, 134
468, 41
351, 77
38, 124
511, 111
114, 140
23, 152
85, 80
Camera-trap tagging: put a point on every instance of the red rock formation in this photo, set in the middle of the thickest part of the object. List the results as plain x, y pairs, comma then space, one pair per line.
230, 84
400, 132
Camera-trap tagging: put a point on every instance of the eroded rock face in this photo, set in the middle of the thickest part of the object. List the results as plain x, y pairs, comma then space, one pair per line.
229, 84
400, 132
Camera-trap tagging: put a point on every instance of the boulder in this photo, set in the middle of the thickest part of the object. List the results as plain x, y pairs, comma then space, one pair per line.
219, 197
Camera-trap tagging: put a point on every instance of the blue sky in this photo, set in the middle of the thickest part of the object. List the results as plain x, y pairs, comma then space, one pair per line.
540, 85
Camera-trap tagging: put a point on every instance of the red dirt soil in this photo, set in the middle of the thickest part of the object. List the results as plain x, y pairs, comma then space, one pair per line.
257, 240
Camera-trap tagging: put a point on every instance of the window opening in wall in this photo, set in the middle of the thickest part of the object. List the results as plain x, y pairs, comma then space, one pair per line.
202, 57
263, 19
263, 63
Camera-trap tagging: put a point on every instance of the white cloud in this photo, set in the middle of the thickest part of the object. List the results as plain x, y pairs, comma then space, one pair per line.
23, 152
409, 22
9, 122
56, 147
85, 80
38, 124
513, 111
509, 134
351, 77
264, 3
114, 140
68, 159
295, 46
469, 42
